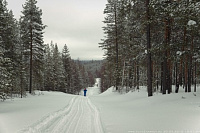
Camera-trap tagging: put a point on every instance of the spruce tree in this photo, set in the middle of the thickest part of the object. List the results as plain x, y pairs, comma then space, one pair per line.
2, 50
67, 67
48, 68
58, 70
7, 46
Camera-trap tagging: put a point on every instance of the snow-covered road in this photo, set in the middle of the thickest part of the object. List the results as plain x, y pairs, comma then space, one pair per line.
79, 116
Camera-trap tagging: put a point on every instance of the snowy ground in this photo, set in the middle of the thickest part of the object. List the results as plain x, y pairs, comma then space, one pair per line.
79, 114
109, 112
136, 113
52, 112
19, 113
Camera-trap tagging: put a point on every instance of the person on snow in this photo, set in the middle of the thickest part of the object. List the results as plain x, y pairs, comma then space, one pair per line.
85, 90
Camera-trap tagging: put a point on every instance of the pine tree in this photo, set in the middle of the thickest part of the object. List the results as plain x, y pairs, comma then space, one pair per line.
149, 62
32, 39
111, 42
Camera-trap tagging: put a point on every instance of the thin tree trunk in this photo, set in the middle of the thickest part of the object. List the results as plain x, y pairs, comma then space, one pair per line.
177, 81
117, 51
186, 63
181, 73
135, 74
165, 73
174, 74
21, 68
190, 66
195, 76
123, 71
166, 65
169, 60
138, 76
131, 75
149, 62
162, 77
157, 81
31, 54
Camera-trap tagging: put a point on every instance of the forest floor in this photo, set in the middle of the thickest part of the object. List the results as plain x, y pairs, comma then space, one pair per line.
109, 112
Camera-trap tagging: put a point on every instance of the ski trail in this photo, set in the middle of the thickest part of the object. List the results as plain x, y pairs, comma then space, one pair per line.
80, 116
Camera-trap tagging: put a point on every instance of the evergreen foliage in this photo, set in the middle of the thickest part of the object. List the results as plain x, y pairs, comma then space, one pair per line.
32, 39
173, 36
27, 64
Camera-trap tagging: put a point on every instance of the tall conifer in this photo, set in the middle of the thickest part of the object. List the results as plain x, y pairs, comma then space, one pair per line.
32, 38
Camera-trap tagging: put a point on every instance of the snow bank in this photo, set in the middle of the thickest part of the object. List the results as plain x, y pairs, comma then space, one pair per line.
134, 112
19, 113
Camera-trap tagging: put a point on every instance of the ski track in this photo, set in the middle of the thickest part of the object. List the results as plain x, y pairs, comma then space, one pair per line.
80, 116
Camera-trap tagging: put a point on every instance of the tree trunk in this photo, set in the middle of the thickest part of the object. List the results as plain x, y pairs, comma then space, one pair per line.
181, 73
195, 76
177, 81
31, 61
135, 74
165, 73
169, 60
162, 78
186, 63
149, 62
190, 67
166, 62
157, 76
117, 51
138, 76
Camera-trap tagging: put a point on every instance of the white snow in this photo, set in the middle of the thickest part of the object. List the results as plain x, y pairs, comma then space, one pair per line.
80, 116
109, 112
134, 112
19, 113
191, 22
179, 53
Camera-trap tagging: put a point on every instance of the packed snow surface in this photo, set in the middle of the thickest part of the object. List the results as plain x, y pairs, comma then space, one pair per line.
80, 116
109, 112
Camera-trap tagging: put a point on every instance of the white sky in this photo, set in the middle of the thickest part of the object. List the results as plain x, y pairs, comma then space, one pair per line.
77, 23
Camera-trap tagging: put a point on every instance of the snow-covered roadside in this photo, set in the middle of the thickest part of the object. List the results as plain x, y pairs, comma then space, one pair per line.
136, 113
19, 113
133, 112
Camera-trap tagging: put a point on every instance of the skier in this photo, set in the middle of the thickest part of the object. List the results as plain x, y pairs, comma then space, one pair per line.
85, 90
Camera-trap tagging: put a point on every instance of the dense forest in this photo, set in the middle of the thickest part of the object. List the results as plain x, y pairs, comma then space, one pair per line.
93, 67
27, 64
154, 43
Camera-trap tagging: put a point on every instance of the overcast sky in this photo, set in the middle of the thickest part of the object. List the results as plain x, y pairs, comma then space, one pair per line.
77, 23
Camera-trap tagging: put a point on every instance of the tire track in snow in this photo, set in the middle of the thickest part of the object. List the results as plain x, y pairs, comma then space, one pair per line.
80, 116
